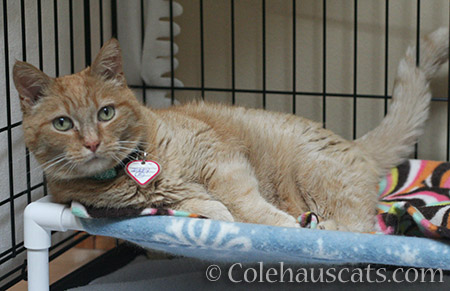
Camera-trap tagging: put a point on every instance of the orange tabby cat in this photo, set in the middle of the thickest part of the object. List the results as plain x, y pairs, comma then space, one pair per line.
227, 163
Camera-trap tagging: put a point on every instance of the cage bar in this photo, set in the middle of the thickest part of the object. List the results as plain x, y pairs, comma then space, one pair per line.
100, 15
448, 100
202, 52
386, 56
114, 18
294, 54
172, 66
9, 131
277, 92
264, 66
416, 147
72, 56
233, 68
355, 64
55, 27
324, 64
144, 90
24, 58
39, 27
87, 32
41, 64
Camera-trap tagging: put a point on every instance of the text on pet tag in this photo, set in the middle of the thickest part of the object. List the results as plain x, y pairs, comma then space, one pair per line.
142, 171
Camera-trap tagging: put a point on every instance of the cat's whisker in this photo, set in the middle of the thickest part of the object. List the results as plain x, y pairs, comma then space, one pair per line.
122, 155
58, 167
53, 162
78, 158
128, 141
41, 166
69, 169
152, 156
128, 148
141, 152
119, 161
21, 157
142, 124
54, 158
124, 141
136, 143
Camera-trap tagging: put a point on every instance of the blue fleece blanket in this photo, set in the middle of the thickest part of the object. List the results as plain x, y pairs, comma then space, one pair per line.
242, 242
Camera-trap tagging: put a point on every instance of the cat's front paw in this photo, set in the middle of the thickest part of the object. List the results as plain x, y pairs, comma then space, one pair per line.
288, 221
221, 213
214, 210
331, 225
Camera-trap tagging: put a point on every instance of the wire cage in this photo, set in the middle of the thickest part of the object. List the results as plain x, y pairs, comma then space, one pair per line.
25, 25
285, 55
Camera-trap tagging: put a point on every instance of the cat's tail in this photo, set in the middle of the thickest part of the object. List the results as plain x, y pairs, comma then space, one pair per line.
394, 139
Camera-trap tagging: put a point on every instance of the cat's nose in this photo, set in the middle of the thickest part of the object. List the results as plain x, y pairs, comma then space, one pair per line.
92, 145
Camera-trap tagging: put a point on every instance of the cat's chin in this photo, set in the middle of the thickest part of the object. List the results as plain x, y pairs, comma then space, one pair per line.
95, 166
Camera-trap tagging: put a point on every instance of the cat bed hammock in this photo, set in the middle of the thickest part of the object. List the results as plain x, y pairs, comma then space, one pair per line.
414, 200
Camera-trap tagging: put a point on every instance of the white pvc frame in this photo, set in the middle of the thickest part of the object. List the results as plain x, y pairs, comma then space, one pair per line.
40, 218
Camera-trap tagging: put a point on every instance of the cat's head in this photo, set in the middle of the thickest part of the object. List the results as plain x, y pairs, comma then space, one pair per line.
81, 124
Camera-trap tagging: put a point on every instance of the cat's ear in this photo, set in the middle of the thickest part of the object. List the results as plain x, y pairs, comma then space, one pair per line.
108, 63
30, 82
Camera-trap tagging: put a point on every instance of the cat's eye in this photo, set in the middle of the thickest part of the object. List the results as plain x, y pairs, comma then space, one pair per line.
62, 123
106, 113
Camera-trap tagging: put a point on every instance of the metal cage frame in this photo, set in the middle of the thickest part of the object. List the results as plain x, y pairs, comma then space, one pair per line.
20, 272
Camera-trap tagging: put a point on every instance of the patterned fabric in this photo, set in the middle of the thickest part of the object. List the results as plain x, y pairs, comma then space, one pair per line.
103, 212
308, 219
415, 200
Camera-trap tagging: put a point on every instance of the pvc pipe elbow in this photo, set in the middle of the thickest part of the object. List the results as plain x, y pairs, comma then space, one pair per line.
43, 216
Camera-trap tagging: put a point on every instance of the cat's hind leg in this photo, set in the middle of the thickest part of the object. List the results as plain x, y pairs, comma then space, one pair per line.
235, 184
344, 196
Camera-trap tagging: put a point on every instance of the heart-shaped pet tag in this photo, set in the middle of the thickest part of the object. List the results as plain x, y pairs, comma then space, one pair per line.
142, 171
